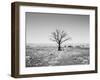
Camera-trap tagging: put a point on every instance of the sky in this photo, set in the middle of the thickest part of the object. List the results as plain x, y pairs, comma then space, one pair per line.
39, 27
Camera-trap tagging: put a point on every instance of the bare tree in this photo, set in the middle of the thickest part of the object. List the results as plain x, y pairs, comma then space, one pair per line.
59, 36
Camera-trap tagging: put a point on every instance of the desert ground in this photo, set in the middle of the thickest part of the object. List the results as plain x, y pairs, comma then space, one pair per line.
37, 56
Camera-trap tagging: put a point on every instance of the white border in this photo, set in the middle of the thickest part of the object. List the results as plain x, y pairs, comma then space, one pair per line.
36, 70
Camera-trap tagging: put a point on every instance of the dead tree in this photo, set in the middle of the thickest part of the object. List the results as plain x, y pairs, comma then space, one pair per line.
59, 37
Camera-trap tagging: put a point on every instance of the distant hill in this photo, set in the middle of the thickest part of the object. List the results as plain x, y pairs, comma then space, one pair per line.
55, 45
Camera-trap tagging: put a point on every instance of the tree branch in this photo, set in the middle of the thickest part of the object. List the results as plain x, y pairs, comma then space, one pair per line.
65, 40
59, 36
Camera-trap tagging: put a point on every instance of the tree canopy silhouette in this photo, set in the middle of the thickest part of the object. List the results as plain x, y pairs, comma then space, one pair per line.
59, 36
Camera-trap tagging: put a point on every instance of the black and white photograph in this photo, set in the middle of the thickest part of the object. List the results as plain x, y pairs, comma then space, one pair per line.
53, 39
57, 39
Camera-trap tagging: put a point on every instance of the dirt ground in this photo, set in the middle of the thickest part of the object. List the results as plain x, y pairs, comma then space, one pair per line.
50, 56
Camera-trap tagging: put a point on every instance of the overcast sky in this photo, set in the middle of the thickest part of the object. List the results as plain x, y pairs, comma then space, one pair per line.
40, 25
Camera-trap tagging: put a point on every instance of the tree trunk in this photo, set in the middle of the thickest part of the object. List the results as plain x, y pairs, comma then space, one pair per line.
59, 47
